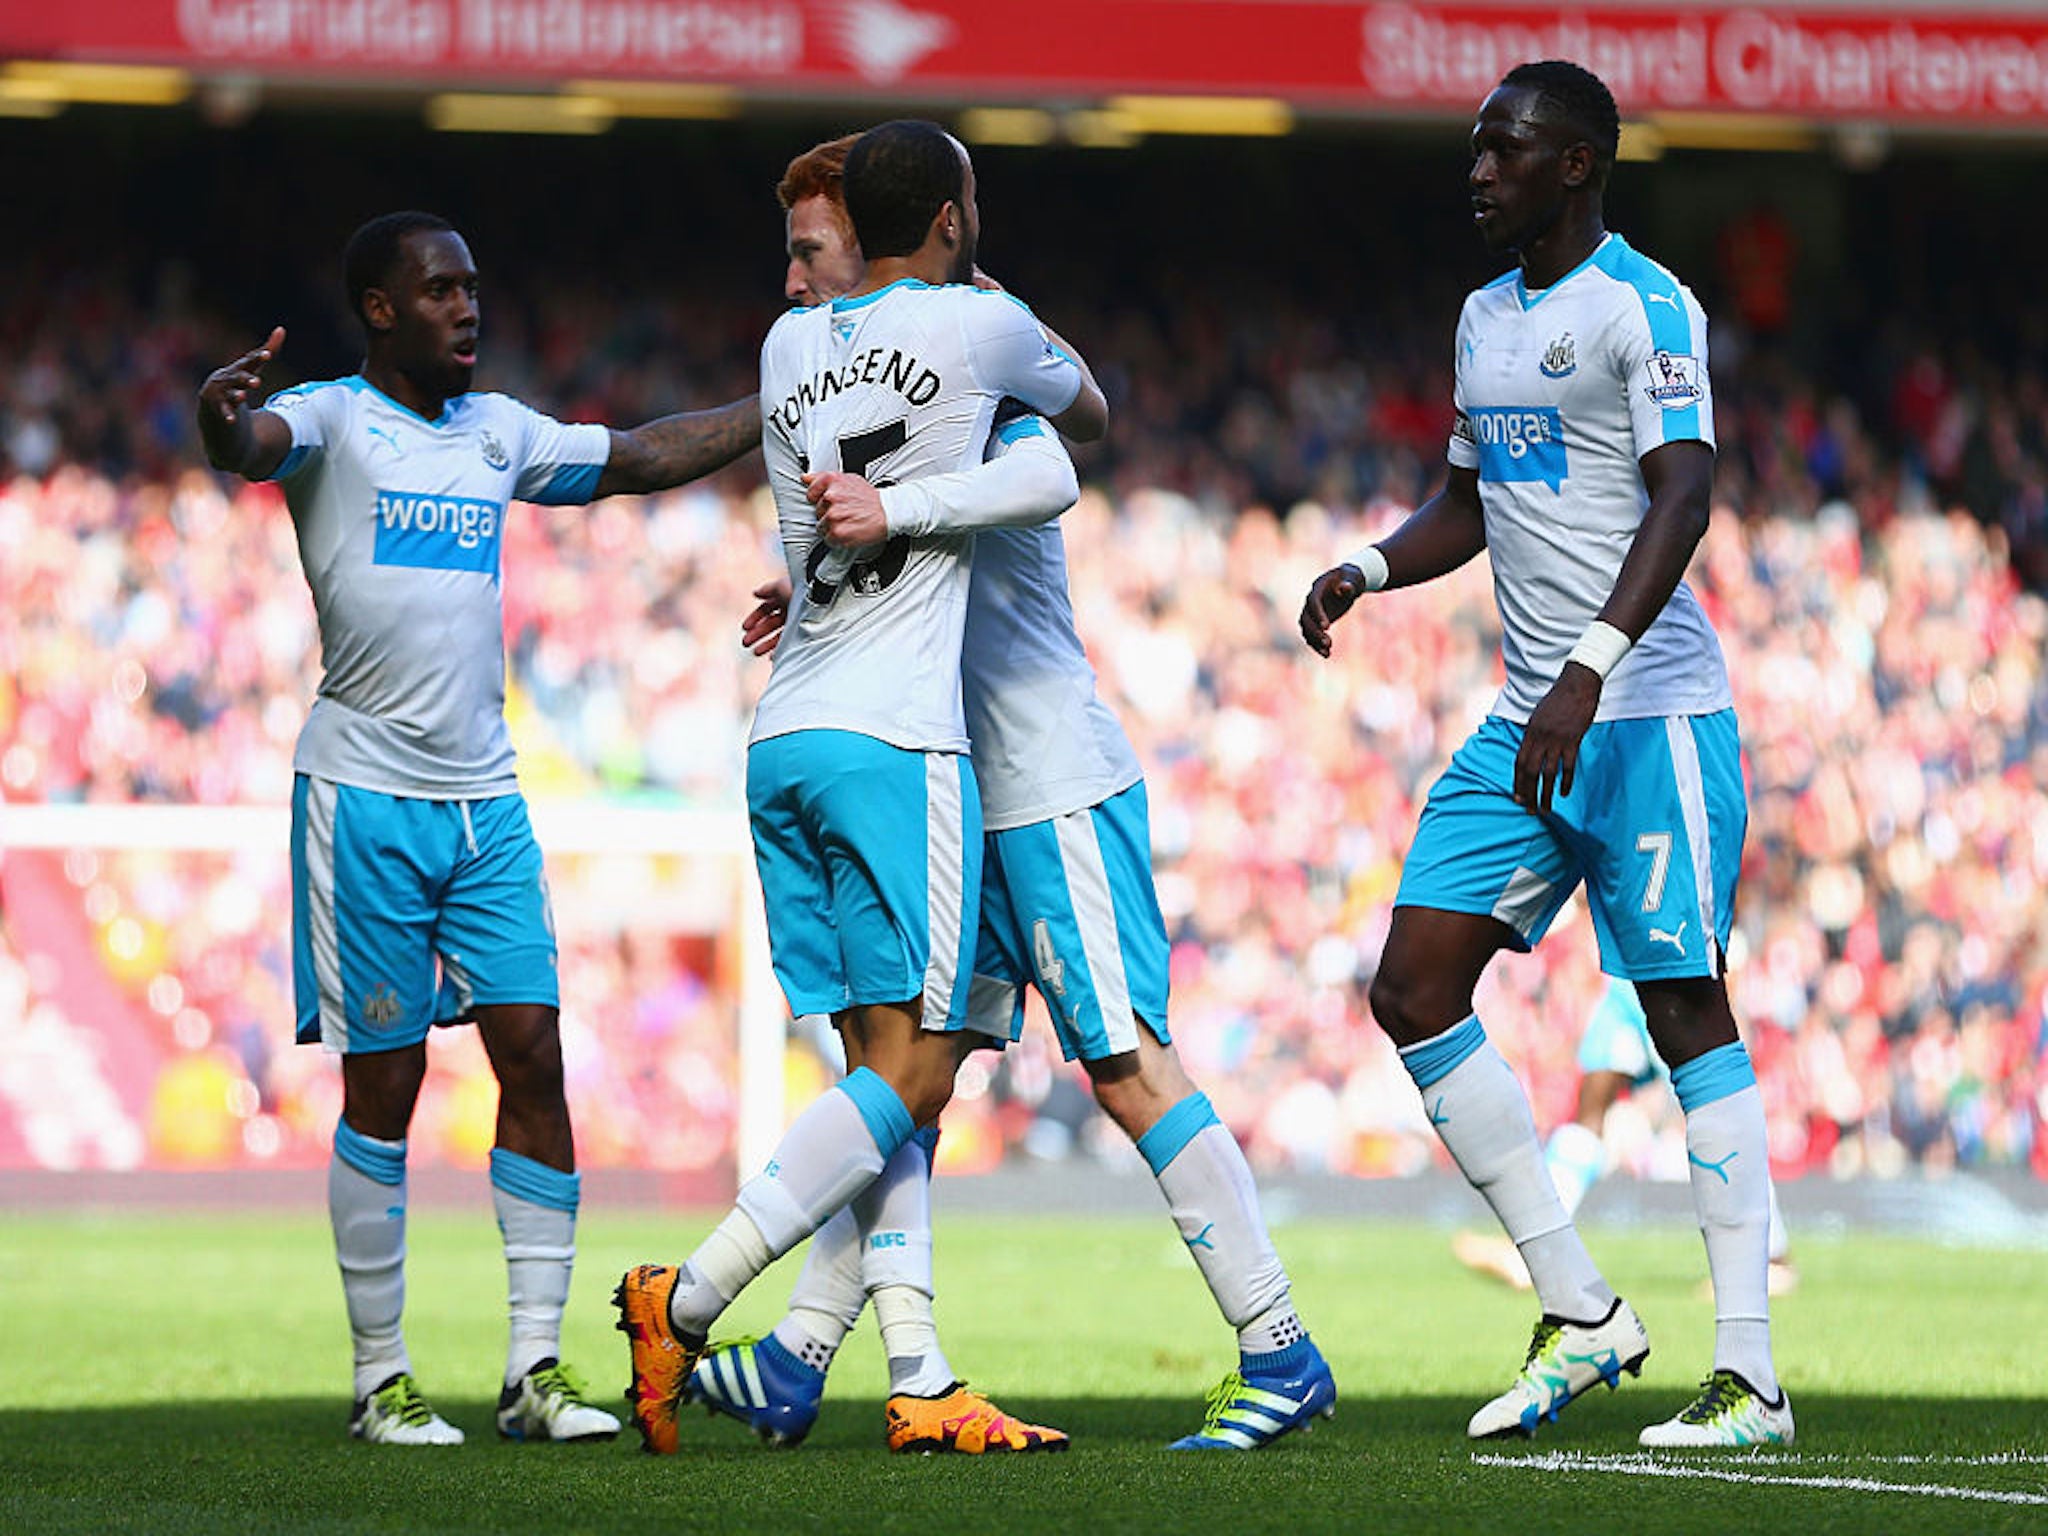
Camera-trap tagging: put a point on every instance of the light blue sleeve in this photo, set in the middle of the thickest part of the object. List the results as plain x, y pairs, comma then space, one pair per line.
560, 462
316, 414
1659, 351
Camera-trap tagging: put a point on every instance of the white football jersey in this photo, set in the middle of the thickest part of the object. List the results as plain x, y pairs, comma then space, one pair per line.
1559, 395
892, 385
400, 521
1044, 743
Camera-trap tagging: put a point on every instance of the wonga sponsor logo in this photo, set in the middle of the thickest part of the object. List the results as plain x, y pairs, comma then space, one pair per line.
1520, 443
438, 533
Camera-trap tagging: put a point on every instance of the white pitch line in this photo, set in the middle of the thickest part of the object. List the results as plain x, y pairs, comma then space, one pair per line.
1804, 1459
1643, 1466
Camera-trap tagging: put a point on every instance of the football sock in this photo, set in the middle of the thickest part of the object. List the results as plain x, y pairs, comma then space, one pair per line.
910, 1338
827, 1299
1731, 1192
536, 1208
1576, 1157
1781, 1240
1478, 1107
1272, 1332
719, 1270
829, 1154
895, 1216
1208, 1187
366, 1205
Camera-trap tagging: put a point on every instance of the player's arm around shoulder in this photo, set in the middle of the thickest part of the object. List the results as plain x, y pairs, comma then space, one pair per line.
1027, 479
1013, 352
241, 438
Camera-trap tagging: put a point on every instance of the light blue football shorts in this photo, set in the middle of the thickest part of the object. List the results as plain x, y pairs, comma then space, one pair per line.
1617, 1036
1068, 906
1653, 825
407, 913
870, 862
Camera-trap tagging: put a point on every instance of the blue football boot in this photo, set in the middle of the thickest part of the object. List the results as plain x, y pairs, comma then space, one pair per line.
763, 1385
1264, 1398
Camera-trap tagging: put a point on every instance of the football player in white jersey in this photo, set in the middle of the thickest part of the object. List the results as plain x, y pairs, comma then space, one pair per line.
418, 891
1068, 906
867, 825
1582, 463
880, 1246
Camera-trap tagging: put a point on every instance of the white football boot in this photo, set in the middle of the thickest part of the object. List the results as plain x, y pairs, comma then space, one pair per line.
1564, 1360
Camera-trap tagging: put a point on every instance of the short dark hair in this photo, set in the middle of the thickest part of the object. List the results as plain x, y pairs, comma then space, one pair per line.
1578, 98
897, 178
372, 252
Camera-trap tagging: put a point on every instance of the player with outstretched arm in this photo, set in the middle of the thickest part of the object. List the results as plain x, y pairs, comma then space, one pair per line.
418, 891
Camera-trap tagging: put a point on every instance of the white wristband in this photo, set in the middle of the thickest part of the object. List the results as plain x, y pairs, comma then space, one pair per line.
1372, 565
1601, 648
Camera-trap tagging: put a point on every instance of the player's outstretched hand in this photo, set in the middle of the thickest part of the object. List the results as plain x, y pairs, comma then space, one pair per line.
226, 388
761, 630
1328, 601
850, 511
1550, 742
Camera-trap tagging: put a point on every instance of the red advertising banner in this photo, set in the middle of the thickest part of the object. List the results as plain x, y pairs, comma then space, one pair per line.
1928, 64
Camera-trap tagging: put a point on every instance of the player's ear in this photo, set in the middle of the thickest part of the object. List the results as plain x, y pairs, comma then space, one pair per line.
948, 223
378, 313
1578, 163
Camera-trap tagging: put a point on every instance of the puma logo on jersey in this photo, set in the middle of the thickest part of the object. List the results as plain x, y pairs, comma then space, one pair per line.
1662, 298
389, 438
1675, 939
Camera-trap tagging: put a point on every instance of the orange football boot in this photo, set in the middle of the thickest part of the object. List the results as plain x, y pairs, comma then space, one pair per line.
963, 1420
662, 1357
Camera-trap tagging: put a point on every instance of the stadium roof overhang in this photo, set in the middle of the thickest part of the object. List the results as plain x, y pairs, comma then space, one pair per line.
1035, 70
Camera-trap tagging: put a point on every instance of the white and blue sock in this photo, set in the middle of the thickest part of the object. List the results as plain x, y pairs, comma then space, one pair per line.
1478, 1107
1731, 1192
829, 1154
1208, 1186
366, 1205
895, 1215
828, 1296
536, 1208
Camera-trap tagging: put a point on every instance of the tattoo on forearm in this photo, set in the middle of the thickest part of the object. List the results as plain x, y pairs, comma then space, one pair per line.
680, 448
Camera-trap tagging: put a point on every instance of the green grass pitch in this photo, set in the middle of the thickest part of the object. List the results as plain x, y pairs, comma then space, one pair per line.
187, 1372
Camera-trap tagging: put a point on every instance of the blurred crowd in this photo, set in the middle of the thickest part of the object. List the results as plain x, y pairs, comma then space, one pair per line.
1869, 569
